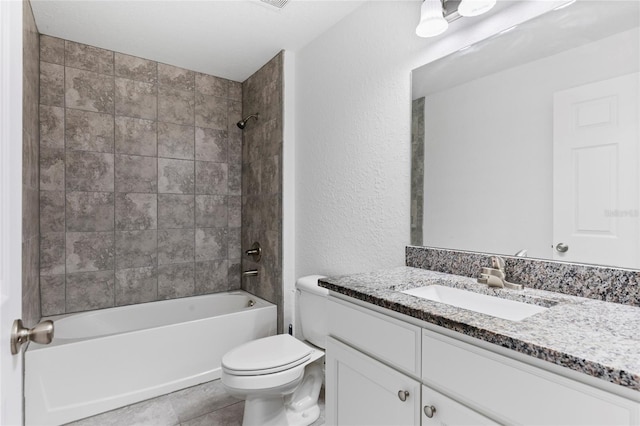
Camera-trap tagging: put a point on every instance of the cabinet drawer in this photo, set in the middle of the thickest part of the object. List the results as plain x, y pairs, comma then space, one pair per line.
514, 392
387, 339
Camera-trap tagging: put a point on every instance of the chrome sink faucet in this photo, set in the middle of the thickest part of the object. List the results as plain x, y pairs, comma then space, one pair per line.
495, 276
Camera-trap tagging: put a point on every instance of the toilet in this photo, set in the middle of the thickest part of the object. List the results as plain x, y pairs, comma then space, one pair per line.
280, 377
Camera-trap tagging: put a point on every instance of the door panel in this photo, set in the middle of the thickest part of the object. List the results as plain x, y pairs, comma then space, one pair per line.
595, 172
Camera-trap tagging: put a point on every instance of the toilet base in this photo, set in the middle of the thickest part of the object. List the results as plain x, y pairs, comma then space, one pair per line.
299, 407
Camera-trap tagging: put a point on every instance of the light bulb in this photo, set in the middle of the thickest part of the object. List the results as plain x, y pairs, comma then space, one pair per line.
432, 22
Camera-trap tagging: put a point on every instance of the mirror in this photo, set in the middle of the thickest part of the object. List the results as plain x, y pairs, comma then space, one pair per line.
531, 140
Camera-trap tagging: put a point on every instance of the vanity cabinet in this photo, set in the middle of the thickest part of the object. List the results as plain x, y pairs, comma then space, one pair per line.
372, 359
367, 392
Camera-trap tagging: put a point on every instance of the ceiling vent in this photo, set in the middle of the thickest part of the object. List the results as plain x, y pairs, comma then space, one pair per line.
278, 4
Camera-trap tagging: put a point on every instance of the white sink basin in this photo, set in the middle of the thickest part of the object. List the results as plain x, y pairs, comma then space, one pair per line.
494, 306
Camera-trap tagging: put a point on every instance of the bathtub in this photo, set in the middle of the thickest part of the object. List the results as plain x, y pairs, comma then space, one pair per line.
102, 360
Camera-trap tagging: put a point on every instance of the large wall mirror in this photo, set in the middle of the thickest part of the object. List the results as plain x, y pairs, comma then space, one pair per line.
531, 140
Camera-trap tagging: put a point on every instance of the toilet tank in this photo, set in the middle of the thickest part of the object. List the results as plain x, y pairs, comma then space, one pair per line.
312, 310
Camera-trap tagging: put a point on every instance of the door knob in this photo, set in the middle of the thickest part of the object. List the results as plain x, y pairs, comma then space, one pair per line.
562, 248
403, 394
42, 333
429, 410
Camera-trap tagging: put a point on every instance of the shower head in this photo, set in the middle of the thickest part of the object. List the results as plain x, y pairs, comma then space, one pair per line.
243, 123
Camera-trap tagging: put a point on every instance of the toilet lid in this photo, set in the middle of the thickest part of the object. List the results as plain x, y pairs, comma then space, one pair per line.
265, 356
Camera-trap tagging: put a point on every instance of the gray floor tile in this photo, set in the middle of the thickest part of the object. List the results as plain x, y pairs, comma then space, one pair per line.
199, 400
153, 412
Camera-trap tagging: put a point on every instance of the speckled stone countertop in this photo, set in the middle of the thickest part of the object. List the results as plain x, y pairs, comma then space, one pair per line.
601, 339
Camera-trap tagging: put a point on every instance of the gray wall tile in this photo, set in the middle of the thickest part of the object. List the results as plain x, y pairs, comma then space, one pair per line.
111, 175
235, 91
235, 211
175, 141
211, 112
176, 280
52, 211
211, 178
52, 253
90, 290
211, 244
89, 251
235, 249
212, 276
30, 247
136, 249
136, 136
235, 179
270, 180
89, 131
52, 290
51, 49
52, 169
88, 58
135, 68
176, 106
51, 127
212, 85
137, 285
136, 99
211, 145
51, 84
88, 91
175, 77
89, 211
211, 211
89, 171
175, 211
235, 274
136, 212
136, 174
175, 176
175, 246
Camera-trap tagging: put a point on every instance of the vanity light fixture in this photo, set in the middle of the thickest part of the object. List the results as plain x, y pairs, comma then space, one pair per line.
475, 7
435, 15
432, 22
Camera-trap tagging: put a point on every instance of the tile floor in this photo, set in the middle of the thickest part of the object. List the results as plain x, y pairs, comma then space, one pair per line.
204, 405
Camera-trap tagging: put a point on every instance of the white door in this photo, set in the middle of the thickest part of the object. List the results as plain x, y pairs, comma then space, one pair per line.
10, 207
595, 173
361, 391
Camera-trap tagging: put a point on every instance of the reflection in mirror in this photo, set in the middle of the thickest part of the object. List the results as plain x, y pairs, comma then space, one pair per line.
531, 140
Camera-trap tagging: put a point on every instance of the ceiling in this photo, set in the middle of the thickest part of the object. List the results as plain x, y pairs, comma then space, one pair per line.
226, 38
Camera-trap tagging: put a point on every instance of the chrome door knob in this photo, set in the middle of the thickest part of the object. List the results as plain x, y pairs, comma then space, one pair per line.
403, 394
42, 333
562, 248
429, 410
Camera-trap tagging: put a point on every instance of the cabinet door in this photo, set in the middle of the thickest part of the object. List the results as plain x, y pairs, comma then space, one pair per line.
439, 410
363, 391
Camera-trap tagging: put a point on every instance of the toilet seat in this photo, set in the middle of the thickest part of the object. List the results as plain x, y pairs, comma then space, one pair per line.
277, 353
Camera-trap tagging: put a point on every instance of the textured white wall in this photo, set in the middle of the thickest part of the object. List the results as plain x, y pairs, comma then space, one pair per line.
353, 113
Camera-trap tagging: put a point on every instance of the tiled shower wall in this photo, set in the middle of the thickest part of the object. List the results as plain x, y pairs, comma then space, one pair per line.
140, 180
262, 181
30, 231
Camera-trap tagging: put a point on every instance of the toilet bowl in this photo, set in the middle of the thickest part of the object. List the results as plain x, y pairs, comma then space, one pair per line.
280, 377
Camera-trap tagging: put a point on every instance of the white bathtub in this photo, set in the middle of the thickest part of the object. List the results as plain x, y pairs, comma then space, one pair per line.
110, 358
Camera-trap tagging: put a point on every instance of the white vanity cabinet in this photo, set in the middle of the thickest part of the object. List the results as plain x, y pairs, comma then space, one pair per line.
361, 391
381, 370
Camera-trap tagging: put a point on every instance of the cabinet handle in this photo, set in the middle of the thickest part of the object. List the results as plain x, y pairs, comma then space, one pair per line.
429, 410
403, 394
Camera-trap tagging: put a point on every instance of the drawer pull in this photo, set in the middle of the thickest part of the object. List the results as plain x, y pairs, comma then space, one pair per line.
429, 410
403, 394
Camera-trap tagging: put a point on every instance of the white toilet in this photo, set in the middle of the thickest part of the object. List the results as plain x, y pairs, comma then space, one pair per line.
280, 377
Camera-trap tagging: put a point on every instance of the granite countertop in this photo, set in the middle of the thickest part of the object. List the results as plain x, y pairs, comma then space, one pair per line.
601, 339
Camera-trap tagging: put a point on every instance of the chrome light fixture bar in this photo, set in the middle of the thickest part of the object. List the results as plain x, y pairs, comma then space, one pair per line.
435, 15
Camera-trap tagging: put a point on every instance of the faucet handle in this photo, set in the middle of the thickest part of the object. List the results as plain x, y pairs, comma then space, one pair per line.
497, 263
